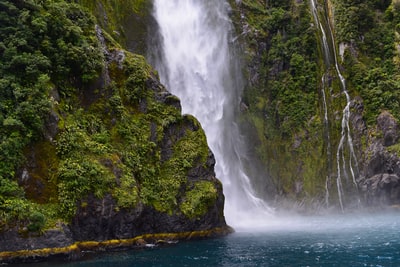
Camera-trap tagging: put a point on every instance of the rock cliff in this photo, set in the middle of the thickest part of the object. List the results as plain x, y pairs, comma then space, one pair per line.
295, 102
107, 159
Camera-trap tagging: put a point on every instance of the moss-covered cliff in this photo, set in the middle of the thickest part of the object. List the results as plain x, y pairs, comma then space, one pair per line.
93, 147
294, 101
126, 21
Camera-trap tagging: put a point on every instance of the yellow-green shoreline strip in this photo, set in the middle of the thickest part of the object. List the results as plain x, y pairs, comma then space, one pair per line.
93, 246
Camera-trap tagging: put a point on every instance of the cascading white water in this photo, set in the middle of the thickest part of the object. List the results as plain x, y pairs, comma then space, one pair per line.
346, 132
200, 67
331, 59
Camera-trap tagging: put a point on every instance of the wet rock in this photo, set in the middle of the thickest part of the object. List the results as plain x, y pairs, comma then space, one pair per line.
382, 189
389, 127
14, 240
100, 220
174, 132
380, 183
206, 171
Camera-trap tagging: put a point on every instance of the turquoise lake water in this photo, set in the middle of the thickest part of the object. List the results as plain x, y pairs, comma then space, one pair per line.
350, 240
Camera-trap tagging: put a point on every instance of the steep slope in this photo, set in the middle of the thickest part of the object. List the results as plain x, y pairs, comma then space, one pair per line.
93, 147
294, 104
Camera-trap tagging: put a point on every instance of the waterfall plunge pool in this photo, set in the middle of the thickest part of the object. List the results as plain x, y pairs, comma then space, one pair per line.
331, 240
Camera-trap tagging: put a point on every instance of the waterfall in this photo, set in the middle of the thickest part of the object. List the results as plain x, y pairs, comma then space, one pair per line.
331, 59
198, 64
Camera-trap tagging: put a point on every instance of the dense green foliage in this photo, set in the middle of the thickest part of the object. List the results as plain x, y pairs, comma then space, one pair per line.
199, 199
44, 45
112, 122
282, 96
371, 28
49, 47
285, 91
284, 99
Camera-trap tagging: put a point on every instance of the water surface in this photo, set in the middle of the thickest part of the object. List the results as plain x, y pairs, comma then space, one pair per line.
351, 240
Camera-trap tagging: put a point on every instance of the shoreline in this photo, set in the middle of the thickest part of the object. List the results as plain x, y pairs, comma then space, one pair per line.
77, 250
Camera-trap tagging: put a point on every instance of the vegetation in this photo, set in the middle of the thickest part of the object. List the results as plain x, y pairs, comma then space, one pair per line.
199, 199
117, 137
126, 21
285, 91
110, 134
284, 97
44, 45
374, 72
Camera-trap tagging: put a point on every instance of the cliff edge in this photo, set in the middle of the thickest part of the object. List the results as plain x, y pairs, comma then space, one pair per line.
94, 150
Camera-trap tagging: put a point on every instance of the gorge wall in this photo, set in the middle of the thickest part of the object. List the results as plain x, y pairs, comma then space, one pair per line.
294, 102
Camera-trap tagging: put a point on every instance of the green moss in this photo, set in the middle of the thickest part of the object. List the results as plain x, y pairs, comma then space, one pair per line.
126, 21
126, 193
192, 148
284, 96
42, 184
36, 222
79, 177
56, 48
137, 72
162, 187
199, 199
109, 137
394, 149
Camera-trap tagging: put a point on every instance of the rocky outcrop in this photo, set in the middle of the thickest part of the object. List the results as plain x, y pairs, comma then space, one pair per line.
380, 182
381, 190
116, 166
100, 220
389, 127
14, 240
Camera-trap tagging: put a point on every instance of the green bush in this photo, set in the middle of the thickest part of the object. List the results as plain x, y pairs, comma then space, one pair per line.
199, 199
37, 222
43, 45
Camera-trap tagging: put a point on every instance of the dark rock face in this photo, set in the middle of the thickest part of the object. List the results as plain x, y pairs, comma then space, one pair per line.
380, 180
12, 240
381, 189
359, 128
389, 127
172, 134
99, 220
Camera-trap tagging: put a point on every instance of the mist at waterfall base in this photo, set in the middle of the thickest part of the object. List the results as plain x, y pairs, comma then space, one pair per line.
336, 240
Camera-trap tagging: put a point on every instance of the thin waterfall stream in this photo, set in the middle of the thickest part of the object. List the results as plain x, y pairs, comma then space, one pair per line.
199, 65
331, 59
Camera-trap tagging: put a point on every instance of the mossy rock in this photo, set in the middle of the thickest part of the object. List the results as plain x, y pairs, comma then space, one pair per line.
199, 199
112, 132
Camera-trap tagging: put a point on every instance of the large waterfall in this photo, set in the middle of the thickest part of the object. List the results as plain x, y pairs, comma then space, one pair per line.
198, 64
